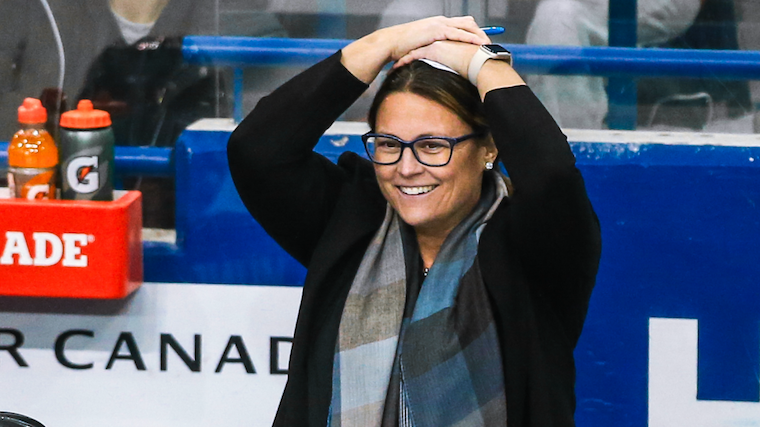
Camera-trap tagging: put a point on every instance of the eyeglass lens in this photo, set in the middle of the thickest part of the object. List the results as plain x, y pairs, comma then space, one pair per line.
433, 152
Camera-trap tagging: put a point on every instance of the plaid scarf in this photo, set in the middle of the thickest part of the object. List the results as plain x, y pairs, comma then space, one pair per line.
446, 354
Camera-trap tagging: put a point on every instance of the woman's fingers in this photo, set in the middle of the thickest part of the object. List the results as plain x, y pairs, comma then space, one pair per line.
468, 25
420, 53
455, 55
465, 36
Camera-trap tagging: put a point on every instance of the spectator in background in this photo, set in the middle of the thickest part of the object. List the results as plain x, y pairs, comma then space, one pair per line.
126, 56
141, 78
710, 104
580, 101
87, 28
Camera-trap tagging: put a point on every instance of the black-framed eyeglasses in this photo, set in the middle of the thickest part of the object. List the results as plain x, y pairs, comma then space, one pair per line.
429, 150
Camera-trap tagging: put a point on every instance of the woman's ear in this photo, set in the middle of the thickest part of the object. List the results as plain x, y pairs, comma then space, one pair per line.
491, 152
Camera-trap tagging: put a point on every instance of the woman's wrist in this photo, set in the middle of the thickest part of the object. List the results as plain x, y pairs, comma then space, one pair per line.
366, 57
497, 74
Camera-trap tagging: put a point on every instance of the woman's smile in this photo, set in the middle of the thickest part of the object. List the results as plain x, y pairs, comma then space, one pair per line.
416, 191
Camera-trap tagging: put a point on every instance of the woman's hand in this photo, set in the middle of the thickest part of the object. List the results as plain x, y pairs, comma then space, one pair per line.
457, 56
414, 35
365, 57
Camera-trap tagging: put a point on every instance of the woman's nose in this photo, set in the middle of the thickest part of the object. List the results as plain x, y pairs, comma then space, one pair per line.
408, 165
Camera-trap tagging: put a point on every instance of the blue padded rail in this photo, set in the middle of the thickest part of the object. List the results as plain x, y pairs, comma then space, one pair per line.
594, 61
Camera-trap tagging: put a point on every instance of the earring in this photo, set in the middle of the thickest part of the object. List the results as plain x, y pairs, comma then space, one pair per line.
489, 165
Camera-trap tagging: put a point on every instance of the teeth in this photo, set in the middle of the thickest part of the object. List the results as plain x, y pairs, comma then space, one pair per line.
417, 190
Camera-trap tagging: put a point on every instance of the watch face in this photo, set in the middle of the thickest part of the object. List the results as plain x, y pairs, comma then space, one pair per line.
495, 48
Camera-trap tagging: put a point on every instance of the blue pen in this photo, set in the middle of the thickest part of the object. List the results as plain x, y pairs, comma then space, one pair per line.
492, 30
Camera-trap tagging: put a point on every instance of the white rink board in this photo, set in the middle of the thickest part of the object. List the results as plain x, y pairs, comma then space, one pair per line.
124, 395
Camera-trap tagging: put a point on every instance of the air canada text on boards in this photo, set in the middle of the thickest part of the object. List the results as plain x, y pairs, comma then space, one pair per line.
126, 351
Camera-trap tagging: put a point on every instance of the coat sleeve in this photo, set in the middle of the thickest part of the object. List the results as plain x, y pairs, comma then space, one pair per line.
554, 231
287, 187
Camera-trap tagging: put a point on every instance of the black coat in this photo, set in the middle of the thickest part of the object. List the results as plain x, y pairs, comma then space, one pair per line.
538, 254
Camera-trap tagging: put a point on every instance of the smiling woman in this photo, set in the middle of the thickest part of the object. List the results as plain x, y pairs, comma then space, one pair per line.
432, 194
433, 200
435, 296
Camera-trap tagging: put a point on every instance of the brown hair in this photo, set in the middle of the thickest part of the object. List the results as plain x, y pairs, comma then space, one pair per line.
445, 88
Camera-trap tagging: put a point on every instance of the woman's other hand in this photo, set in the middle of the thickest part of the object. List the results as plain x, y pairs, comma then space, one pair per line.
365, 57
457, 56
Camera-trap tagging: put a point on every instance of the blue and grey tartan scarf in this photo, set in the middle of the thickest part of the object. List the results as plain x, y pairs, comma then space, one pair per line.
446, 353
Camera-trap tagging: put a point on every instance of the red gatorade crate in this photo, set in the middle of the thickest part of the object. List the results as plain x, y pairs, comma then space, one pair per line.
71, 249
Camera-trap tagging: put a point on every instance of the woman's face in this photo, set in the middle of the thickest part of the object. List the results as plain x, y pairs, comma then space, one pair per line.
431, 199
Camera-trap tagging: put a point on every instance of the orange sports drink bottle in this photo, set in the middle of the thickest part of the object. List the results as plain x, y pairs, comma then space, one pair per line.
32, 155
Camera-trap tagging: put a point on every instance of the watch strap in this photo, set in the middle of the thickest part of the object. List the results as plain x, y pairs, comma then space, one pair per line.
481, 56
